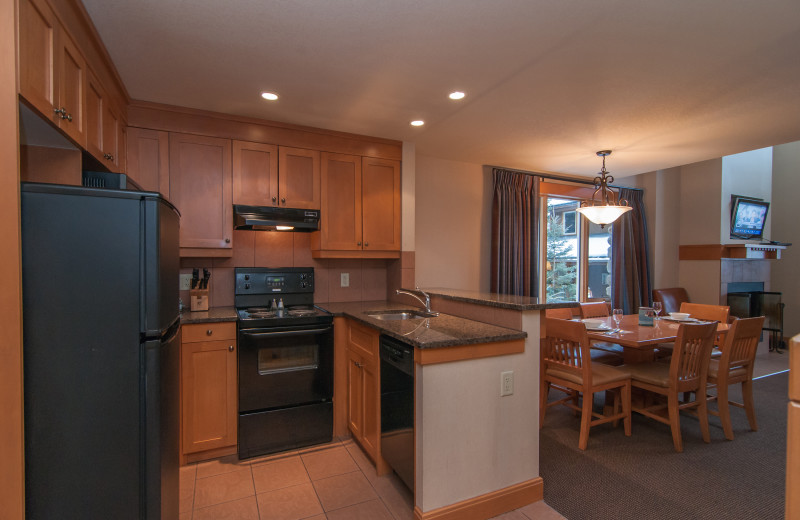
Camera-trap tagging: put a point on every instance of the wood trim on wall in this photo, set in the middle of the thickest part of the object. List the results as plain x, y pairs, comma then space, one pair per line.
488, 505
429, 356
12, 443
720, 251
571, 191
202, 122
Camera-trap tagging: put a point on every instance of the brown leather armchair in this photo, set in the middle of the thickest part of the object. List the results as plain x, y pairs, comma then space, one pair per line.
670, 299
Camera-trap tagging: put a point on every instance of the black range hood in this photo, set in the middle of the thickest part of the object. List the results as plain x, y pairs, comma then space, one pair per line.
267, 218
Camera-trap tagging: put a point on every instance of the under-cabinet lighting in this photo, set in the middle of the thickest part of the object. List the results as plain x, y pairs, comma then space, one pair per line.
456, 95
269, 96
284, 228
418, 122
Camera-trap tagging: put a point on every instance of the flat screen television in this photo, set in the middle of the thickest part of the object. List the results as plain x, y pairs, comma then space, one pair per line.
748, 217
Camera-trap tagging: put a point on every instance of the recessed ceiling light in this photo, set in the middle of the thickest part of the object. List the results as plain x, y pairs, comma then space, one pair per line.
457, 95
418, 122
269, 96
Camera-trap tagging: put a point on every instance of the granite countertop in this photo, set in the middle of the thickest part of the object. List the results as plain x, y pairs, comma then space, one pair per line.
505, 301
442, 331
214, 314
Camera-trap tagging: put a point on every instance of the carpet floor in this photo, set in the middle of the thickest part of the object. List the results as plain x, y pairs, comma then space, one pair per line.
642, 477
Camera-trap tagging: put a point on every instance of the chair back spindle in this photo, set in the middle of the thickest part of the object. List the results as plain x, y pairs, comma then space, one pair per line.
691, 355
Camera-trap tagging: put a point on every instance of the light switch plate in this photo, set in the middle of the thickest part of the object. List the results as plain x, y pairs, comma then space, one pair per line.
345, 280
186, 282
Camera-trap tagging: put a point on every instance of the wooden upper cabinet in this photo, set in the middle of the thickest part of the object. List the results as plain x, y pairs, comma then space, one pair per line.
200, 186
299, 178
148, 159
340, 218
381, 202
102, 125
71, 88
36, 32
360, 215
255, 174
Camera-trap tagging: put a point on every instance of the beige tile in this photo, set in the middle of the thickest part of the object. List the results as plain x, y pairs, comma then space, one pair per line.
397, 498
221, 287
220, 466
186, 486
274, 249
407, 259
328, 462
540, 511
393, 276
337, 293
362, 461
372, 510
318, 517
192, 262
344, 490
321, 291
223, 488
290, 503
373, 273
302, 250
408, 278
244, 243
272, 457
511, 515
242, 509
270, 476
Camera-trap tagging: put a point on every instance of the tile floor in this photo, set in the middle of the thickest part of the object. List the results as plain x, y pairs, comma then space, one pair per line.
334, 481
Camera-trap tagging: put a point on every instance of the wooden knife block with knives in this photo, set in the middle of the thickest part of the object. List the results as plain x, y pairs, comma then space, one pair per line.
198, 295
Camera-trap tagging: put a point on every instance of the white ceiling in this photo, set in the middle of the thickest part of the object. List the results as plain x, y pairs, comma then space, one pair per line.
548, 82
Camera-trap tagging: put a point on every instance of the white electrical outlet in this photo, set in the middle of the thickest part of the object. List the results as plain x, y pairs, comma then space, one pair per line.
186, 282
345, 280
506, 383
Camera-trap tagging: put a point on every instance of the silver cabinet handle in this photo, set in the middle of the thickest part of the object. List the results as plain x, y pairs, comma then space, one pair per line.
283, 200
230, 348
227, 240
359, 365
366, 244
68, 118
274, 199
359, 243
209, 332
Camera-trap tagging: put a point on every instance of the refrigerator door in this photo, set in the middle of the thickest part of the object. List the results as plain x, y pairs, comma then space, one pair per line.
160, 266
162, 413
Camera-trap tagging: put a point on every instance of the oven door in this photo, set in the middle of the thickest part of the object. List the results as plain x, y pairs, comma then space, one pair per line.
285, 366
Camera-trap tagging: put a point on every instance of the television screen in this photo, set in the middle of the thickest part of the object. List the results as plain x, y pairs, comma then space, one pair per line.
748, 217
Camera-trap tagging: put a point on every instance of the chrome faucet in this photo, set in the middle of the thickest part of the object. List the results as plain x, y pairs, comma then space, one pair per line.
426, 302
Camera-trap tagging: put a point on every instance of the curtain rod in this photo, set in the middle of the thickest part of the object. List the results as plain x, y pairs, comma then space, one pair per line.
558, 177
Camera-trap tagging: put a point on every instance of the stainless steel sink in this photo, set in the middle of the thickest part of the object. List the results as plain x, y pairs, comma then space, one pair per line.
398, 315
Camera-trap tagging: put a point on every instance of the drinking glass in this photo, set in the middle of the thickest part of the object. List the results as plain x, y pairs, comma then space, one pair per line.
617, 315
657, 307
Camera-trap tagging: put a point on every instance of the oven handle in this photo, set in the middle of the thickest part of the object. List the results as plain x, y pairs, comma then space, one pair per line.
284, 333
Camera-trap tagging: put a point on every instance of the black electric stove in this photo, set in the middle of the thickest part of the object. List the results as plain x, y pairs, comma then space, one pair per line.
285, 361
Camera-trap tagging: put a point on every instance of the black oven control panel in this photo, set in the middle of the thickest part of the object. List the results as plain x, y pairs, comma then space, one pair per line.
255, 280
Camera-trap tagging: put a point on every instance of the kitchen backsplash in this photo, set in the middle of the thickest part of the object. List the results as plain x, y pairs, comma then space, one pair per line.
369, 279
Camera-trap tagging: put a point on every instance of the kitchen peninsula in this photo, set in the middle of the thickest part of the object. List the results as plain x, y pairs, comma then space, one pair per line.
477, 453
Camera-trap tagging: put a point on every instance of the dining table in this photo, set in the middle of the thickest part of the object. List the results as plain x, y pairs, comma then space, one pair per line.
639, 341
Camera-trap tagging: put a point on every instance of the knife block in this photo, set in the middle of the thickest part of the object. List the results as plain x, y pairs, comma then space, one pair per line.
198, 300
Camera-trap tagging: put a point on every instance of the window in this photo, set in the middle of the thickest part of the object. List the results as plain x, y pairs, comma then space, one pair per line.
577, 255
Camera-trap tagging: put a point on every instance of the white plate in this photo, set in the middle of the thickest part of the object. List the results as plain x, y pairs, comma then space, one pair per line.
684, 319
598, 328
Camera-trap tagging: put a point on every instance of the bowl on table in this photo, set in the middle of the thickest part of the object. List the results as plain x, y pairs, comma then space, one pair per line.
681, 316
594, 324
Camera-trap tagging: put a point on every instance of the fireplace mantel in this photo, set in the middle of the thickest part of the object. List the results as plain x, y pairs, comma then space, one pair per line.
735, 251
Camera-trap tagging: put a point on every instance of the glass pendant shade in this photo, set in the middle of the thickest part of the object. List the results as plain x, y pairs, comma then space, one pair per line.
610, 207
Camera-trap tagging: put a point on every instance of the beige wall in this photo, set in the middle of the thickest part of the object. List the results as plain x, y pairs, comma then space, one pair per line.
785, 216
748, 174
700, 202
453, 219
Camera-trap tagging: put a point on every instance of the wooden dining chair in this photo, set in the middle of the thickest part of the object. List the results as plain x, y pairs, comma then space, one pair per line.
594, 310
567, 366
671, 298
736, 366
563, 313
687, 372
702, 311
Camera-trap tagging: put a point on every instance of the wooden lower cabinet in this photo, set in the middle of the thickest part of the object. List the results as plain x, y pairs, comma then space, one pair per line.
363, 392
208, 390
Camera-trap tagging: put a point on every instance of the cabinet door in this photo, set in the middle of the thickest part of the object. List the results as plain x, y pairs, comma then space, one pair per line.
255, 174
355, 393
110, 153
71, 88
371, 403
148, 159
94, 117
121, 158
381, 198
200, 187
340, 222
208, 395
299, 178
36, 42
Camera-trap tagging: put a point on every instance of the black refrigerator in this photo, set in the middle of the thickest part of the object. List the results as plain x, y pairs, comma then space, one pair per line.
101, 330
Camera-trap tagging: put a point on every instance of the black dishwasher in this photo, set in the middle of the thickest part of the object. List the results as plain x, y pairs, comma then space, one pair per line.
397, 407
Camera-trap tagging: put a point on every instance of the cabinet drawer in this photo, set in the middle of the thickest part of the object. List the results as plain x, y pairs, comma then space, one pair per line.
363, 340
192, 333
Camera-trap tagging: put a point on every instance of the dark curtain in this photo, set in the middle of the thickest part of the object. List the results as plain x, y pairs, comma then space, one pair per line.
630, 270
515, 233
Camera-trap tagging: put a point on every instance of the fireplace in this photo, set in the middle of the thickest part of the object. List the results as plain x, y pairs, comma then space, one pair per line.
746, 304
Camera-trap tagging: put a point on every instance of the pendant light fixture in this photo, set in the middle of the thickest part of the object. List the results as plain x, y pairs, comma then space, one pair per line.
610, 207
